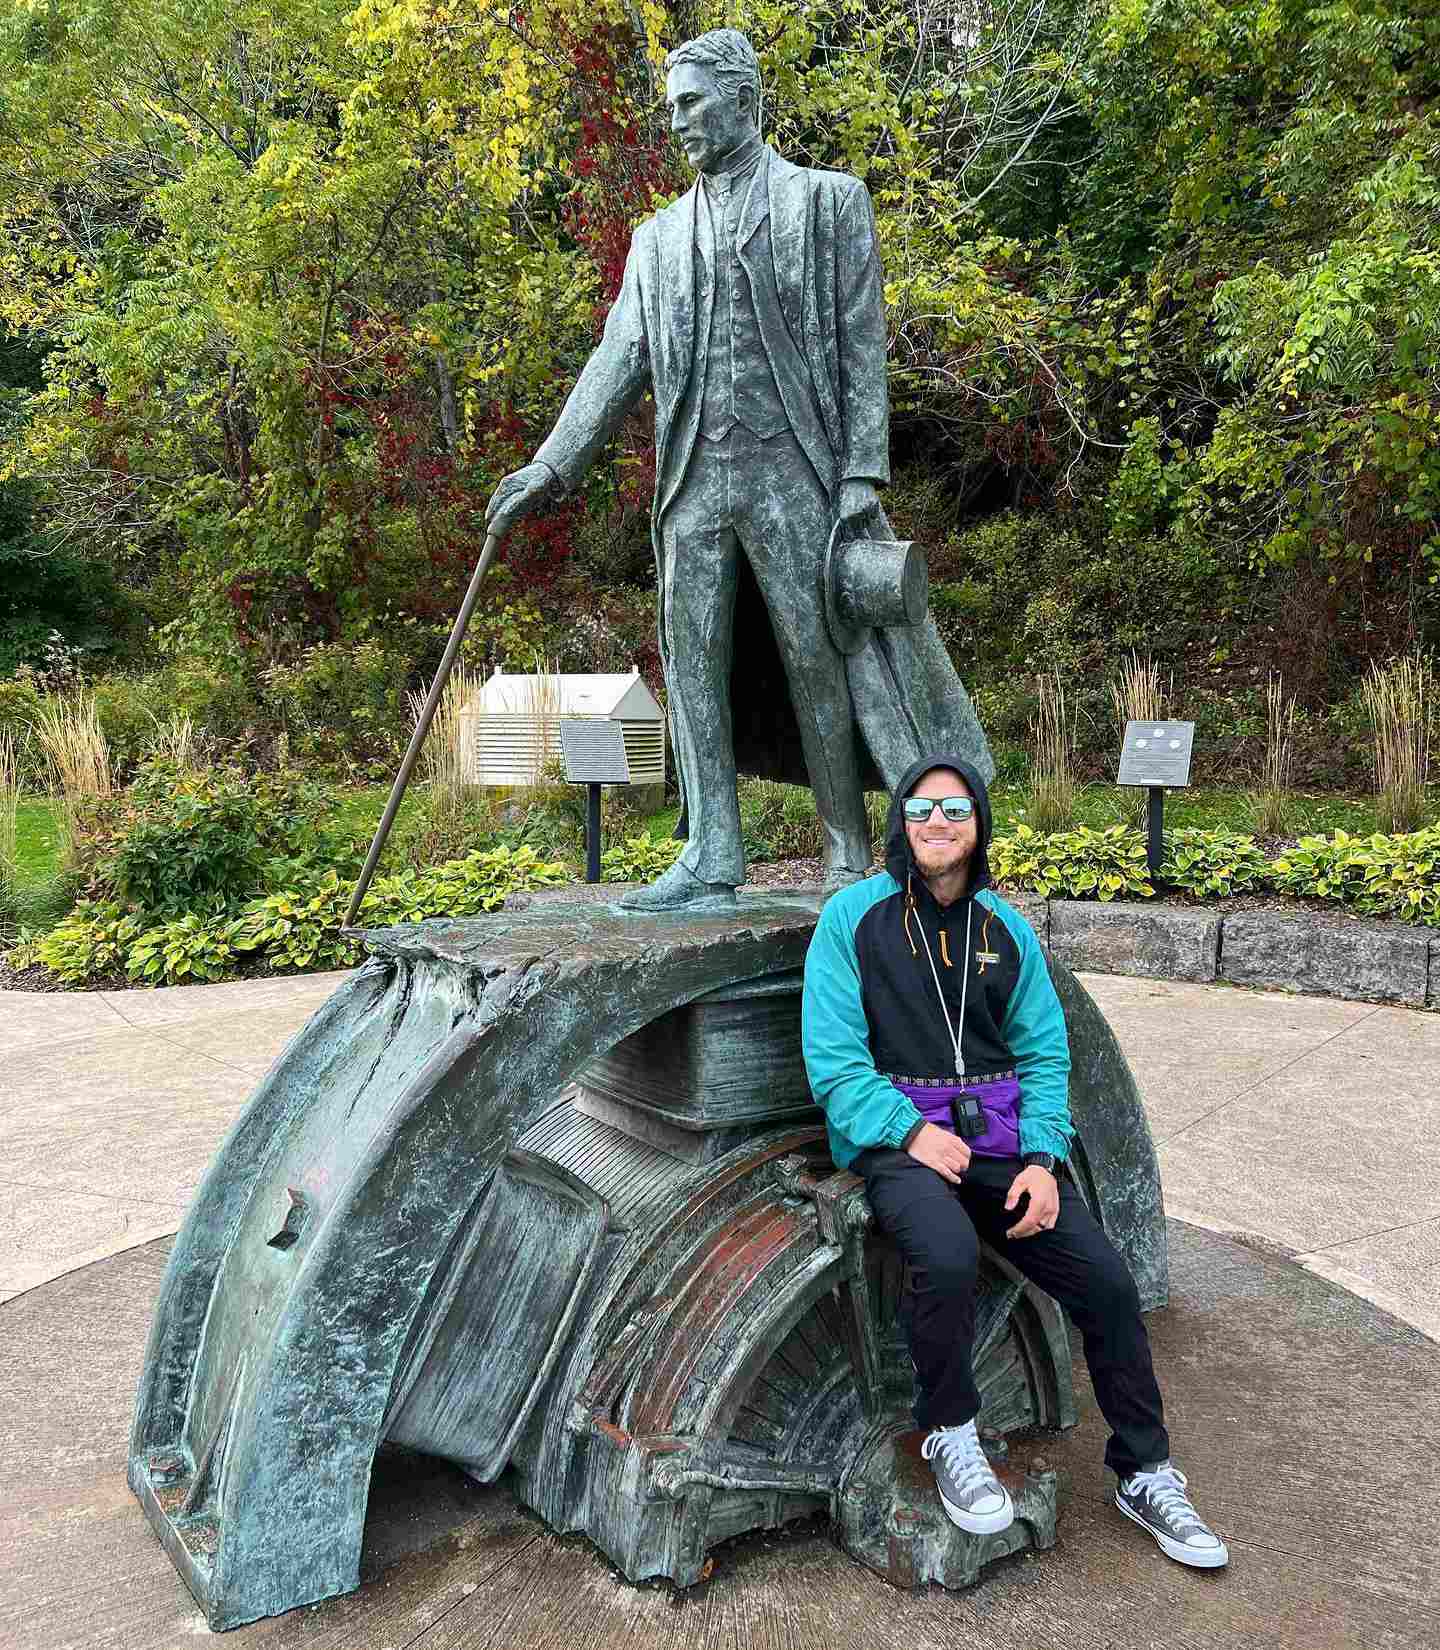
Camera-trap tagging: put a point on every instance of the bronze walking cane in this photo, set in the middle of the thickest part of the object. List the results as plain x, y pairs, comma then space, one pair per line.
422, 727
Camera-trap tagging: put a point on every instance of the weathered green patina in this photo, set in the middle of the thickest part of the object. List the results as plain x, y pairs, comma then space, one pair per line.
656, 1301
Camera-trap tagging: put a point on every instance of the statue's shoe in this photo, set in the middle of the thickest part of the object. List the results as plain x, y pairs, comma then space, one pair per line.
841, 876
678, 889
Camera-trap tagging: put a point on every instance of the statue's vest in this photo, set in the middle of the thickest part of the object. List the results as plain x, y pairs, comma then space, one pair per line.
740, 385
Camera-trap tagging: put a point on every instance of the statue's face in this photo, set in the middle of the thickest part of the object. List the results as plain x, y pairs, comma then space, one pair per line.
707, 124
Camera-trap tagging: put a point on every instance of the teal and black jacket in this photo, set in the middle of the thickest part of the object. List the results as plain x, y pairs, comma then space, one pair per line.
871, 1012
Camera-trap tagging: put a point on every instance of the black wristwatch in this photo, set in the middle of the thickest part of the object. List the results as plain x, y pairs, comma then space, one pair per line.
1041, 1160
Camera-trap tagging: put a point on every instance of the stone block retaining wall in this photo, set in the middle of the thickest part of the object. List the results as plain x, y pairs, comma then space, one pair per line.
1334, 956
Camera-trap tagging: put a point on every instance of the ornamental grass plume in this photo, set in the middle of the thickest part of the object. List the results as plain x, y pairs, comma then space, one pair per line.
1138, 695
9, 824
1051, 802
69, 734
1273, 805
1137, 692
456, 813
543, 705
174, 741
444, 761
1399, 699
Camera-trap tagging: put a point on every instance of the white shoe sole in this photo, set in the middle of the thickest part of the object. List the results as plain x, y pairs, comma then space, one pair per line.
979, 1523
1198, 1558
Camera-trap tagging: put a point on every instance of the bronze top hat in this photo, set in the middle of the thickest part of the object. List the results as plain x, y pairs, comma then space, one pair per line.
870, 582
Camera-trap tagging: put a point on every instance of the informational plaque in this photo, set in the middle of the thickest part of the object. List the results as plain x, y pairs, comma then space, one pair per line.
594, 751
1156, 753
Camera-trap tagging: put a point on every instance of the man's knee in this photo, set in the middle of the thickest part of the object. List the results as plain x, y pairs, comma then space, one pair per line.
945, 1261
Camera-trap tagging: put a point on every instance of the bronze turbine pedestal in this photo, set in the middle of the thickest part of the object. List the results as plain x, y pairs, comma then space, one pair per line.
547, 1190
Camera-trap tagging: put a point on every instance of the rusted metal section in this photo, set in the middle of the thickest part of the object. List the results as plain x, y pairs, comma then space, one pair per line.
731, 1265
744, 1386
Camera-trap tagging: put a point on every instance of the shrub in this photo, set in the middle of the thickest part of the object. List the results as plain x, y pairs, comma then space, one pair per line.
639, 859
1082, 864
129, 709
207, 844
222, 704
300, 928
461, 887
297, 928
779, 821
20, 703
342, 701
1213, 862
1379, 875
194, 946
25, 952
177, 839
441, 824
92, 942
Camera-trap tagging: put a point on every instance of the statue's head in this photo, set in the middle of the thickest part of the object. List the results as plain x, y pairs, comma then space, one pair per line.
712, 86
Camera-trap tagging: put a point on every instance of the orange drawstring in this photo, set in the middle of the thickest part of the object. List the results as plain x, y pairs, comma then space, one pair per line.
909, 907
944, 951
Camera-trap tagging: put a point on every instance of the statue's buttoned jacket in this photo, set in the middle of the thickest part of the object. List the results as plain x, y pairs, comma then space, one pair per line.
806, 247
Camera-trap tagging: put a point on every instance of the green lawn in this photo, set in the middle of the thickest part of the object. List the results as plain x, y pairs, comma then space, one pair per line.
38, 841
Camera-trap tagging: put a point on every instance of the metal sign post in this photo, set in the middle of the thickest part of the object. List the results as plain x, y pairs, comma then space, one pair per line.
1156, 755
594, 752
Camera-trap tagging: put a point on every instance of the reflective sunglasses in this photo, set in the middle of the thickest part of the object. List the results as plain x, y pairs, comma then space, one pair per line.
956, 809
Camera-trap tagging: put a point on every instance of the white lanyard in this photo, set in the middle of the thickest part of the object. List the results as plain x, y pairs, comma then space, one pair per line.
956, 1032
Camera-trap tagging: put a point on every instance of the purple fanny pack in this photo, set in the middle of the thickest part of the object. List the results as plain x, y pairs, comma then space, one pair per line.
999, 1099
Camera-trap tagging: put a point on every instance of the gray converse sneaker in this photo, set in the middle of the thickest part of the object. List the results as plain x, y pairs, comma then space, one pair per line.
1157, 1501
973, 1497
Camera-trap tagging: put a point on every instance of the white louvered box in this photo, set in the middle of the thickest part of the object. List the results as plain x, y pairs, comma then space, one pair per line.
513, 729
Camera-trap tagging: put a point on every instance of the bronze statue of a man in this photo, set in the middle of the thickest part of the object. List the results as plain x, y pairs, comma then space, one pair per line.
752, 308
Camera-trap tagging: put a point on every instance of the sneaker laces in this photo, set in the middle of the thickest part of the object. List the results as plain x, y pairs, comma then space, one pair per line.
1166, 1489
960, 1452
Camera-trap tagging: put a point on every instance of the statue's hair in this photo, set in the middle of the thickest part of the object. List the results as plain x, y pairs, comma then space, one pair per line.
729, 57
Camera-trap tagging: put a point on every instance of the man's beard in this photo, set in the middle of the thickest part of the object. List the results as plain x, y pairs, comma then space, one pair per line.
935, 860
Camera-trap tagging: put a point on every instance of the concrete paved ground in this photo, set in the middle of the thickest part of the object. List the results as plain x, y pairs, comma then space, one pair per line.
1308, 1124
1308, 1419
113, 1102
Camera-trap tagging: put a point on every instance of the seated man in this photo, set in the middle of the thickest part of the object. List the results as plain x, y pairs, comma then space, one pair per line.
935, 1042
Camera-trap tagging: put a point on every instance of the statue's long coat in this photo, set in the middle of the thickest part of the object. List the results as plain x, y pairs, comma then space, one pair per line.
807, 242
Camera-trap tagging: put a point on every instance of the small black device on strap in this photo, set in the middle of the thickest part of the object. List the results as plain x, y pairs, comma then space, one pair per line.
967, 1116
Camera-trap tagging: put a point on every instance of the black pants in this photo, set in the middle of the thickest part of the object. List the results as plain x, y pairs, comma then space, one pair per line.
939, 1228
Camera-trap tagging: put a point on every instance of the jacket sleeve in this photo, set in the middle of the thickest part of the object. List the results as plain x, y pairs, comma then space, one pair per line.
1034, 1029
612, 381
860, 1106
860, 295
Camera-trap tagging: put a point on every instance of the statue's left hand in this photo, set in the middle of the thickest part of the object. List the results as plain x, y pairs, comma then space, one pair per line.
859, 506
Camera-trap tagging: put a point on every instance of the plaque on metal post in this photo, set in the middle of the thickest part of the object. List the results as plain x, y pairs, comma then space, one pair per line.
1156, 753
594, 751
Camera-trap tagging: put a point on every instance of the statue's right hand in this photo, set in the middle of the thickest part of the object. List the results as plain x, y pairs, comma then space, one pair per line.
519, 494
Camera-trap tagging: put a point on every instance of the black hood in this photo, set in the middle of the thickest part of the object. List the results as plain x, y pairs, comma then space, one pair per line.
898, 860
